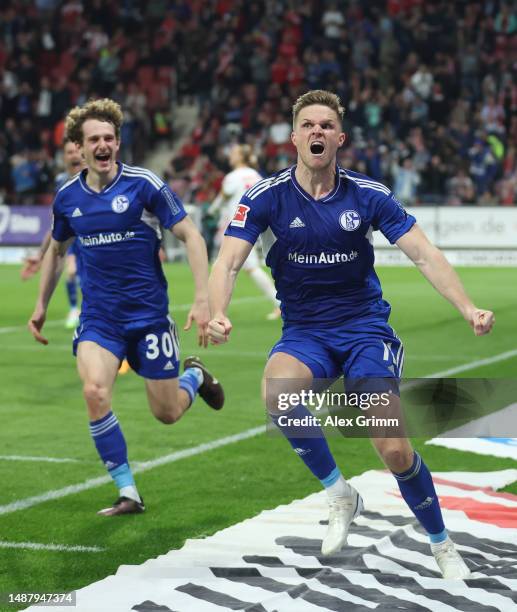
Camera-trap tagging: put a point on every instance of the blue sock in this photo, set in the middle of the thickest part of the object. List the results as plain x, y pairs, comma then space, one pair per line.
111, 446
71, 290
417, 489
190, 381
309, 443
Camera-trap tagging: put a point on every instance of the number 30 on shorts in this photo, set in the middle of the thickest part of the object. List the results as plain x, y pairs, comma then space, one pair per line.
166, 344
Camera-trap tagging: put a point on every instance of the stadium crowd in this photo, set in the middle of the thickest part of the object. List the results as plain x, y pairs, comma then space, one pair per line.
57, 54
430, 88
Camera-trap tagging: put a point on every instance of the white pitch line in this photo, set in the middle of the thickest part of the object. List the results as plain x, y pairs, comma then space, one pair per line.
236, 353
29, 502
474, 364
143, 466
42, 459
174, 308
57, 547
15, 328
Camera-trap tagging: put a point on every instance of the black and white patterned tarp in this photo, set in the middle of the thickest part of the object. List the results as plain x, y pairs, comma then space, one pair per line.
272, 562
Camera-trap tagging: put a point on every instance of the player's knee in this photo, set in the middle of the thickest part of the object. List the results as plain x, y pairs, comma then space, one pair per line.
167, 418
96, 394
396, 457
167, 413
281, 395
270, 399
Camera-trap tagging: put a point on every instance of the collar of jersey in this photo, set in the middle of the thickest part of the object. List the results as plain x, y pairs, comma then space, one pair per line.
307, 196
84, 185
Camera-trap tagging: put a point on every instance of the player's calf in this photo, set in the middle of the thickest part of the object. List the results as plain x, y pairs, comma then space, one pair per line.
166, 400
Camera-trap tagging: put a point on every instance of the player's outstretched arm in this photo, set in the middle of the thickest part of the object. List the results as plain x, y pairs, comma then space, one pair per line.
32, 263
439, 272
232, 255
51, 269
187, 232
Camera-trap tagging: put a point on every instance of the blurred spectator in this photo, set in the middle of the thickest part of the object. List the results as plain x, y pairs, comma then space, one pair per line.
332, 21
24, 176
422, 82
405, 181
280, 130
492, 115
482, 166
461, 189
434, 177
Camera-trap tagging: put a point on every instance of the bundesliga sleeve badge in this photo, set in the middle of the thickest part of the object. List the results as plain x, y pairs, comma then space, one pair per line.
239, 218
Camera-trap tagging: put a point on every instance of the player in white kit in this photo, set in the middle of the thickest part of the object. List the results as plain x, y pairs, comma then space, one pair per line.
235, 184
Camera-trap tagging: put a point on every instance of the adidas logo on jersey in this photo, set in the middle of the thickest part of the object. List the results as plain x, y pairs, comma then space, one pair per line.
296, 222
168, 366
77, 213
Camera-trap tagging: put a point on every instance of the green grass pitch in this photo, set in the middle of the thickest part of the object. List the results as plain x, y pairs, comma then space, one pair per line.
42, 415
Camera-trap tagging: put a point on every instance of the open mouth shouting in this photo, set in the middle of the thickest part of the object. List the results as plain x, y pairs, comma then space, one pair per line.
317, 148
103, 158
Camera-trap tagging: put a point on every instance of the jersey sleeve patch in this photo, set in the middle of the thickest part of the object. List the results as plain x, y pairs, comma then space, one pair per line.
171, 201
240, 216
167, 206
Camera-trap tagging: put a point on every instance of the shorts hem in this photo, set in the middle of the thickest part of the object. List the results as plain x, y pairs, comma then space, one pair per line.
120, 356
164, 376
315, 368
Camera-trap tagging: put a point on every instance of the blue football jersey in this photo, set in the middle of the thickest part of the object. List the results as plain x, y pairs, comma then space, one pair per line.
119, 235
321, 251
73, 249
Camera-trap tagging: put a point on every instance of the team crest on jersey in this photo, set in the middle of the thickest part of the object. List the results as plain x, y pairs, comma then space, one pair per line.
120, 204
350, 220
239, 218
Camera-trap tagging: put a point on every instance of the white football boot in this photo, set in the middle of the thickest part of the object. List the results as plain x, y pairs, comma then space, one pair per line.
342, 511
449, 560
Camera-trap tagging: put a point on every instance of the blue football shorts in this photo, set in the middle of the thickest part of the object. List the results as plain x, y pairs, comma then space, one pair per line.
361, 350
152, 349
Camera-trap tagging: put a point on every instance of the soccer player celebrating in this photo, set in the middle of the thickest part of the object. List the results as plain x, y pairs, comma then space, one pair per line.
316, 221
115, 211
243, 176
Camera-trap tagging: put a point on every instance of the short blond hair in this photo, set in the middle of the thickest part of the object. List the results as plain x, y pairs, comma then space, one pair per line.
103, 110
318, 96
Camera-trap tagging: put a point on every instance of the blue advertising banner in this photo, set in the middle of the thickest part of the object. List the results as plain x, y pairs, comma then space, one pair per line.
24, 225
